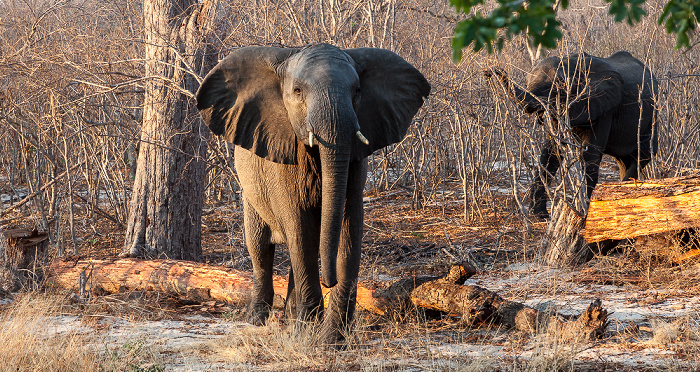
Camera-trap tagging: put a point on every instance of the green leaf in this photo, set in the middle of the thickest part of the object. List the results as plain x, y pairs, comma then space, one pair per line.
537, 19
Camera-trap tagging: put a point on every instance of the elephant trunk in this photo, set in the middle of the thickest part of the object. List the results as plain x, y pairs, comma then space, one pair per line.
334, 179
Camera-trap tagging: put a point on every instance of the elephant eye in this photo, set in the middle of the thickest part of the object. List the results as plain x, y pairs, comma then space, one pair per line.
297, 91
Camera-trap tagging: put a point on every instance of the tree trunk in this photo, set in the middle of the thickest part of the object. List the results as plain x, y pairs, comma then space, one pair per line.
23, 257
166, 204
562, 243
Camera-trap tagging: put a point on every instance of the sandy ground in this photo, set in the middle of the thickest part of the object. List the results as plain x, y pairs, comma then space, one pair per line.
649, 330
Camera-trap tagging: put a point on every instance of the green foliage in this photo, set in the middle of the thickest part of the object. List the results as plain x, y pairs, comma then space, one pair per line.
681, 17
537, 19
627, 10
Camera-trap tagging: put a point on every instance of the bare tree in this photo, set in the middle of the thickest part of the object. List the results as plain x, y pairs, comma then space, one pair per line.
166, 203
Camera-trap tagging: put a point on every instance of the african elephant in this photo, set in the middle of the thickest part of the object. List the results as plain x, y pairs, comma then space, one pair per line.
609, 103
303, 122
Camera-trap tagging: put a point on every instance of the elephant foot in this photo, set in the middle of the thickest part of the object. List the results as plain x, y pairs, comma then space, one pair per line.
331, 337
310, 312
539, 210
258, 314
541, 215
334, 330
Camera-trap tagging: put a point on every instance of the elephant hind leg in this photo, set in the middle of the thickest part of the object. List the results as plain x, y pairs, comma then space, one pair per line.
262, 251
632, 166
627, 167
290, 302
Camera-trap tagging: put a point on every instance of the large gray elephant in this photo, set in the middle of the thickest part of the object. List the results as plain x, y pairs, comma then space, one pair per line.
303, 122
609, 103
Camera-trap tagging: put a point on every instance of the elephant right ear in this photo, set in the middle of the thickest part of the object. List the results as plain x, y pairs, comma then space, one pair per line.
597, 89
241, 99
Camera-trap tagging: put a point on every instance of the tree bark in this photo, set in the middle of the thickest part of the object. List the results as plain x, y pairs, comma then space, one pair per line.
477, 305
562, 243
166, 204
624, 210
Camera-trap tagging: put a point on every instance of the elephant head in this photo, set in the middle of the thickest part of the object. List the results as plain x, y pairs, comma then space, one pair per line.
348, 103
580, 86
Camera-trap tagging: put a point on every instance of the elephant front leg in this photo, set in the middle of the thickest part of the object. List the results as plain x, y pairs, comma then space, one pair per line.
591, 159
339, 314
594, 141
304, 297
549, 164
257, 236
337, 320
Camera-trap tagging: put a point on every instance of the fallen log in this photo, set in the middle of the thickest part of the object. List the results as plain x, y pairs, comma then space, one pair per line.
477, 305
190, 280
624, 210
202, 282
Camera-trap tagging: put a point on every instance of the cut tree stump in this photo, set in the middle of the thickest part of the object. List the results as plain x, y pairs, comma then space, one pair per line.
624, 210
202, 282
23, 255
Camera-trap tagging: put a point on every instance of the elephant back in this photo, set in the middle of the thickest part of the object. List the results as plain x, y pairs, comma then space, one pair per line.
634, 75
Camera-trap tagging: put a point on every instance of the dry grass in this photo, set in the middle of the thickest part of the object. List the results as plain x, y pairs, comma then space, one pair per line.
29, 341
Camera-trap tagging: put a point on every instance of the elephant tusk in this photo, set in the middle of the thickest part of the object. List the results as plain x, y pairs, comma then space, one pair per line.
362, 138
311, 139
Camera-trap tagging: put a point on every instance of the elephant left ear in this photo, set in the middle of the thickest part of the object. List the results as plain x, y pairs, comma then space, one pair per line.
392, 91
598, 90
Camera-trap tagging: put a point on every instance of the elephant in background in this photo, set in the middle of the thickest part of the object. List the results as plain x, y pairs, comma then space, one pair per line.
303, 122
609, 103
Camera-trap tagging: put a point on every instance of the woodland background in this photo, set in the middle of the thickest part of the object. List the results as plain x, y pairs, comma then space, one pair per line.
72, 85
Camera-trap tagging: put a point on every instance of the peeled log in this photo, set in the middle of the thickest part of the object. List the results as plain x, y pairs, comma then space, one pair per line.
190, 280
631, 209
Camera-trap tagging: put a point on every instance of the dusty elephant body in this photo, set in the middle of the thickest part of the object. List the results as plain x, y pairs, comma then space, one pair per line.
609, 103
303, 122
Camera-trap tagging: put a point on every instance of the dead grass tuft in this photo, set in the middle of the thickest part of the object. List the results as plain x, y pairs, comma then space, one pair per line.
31, 339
